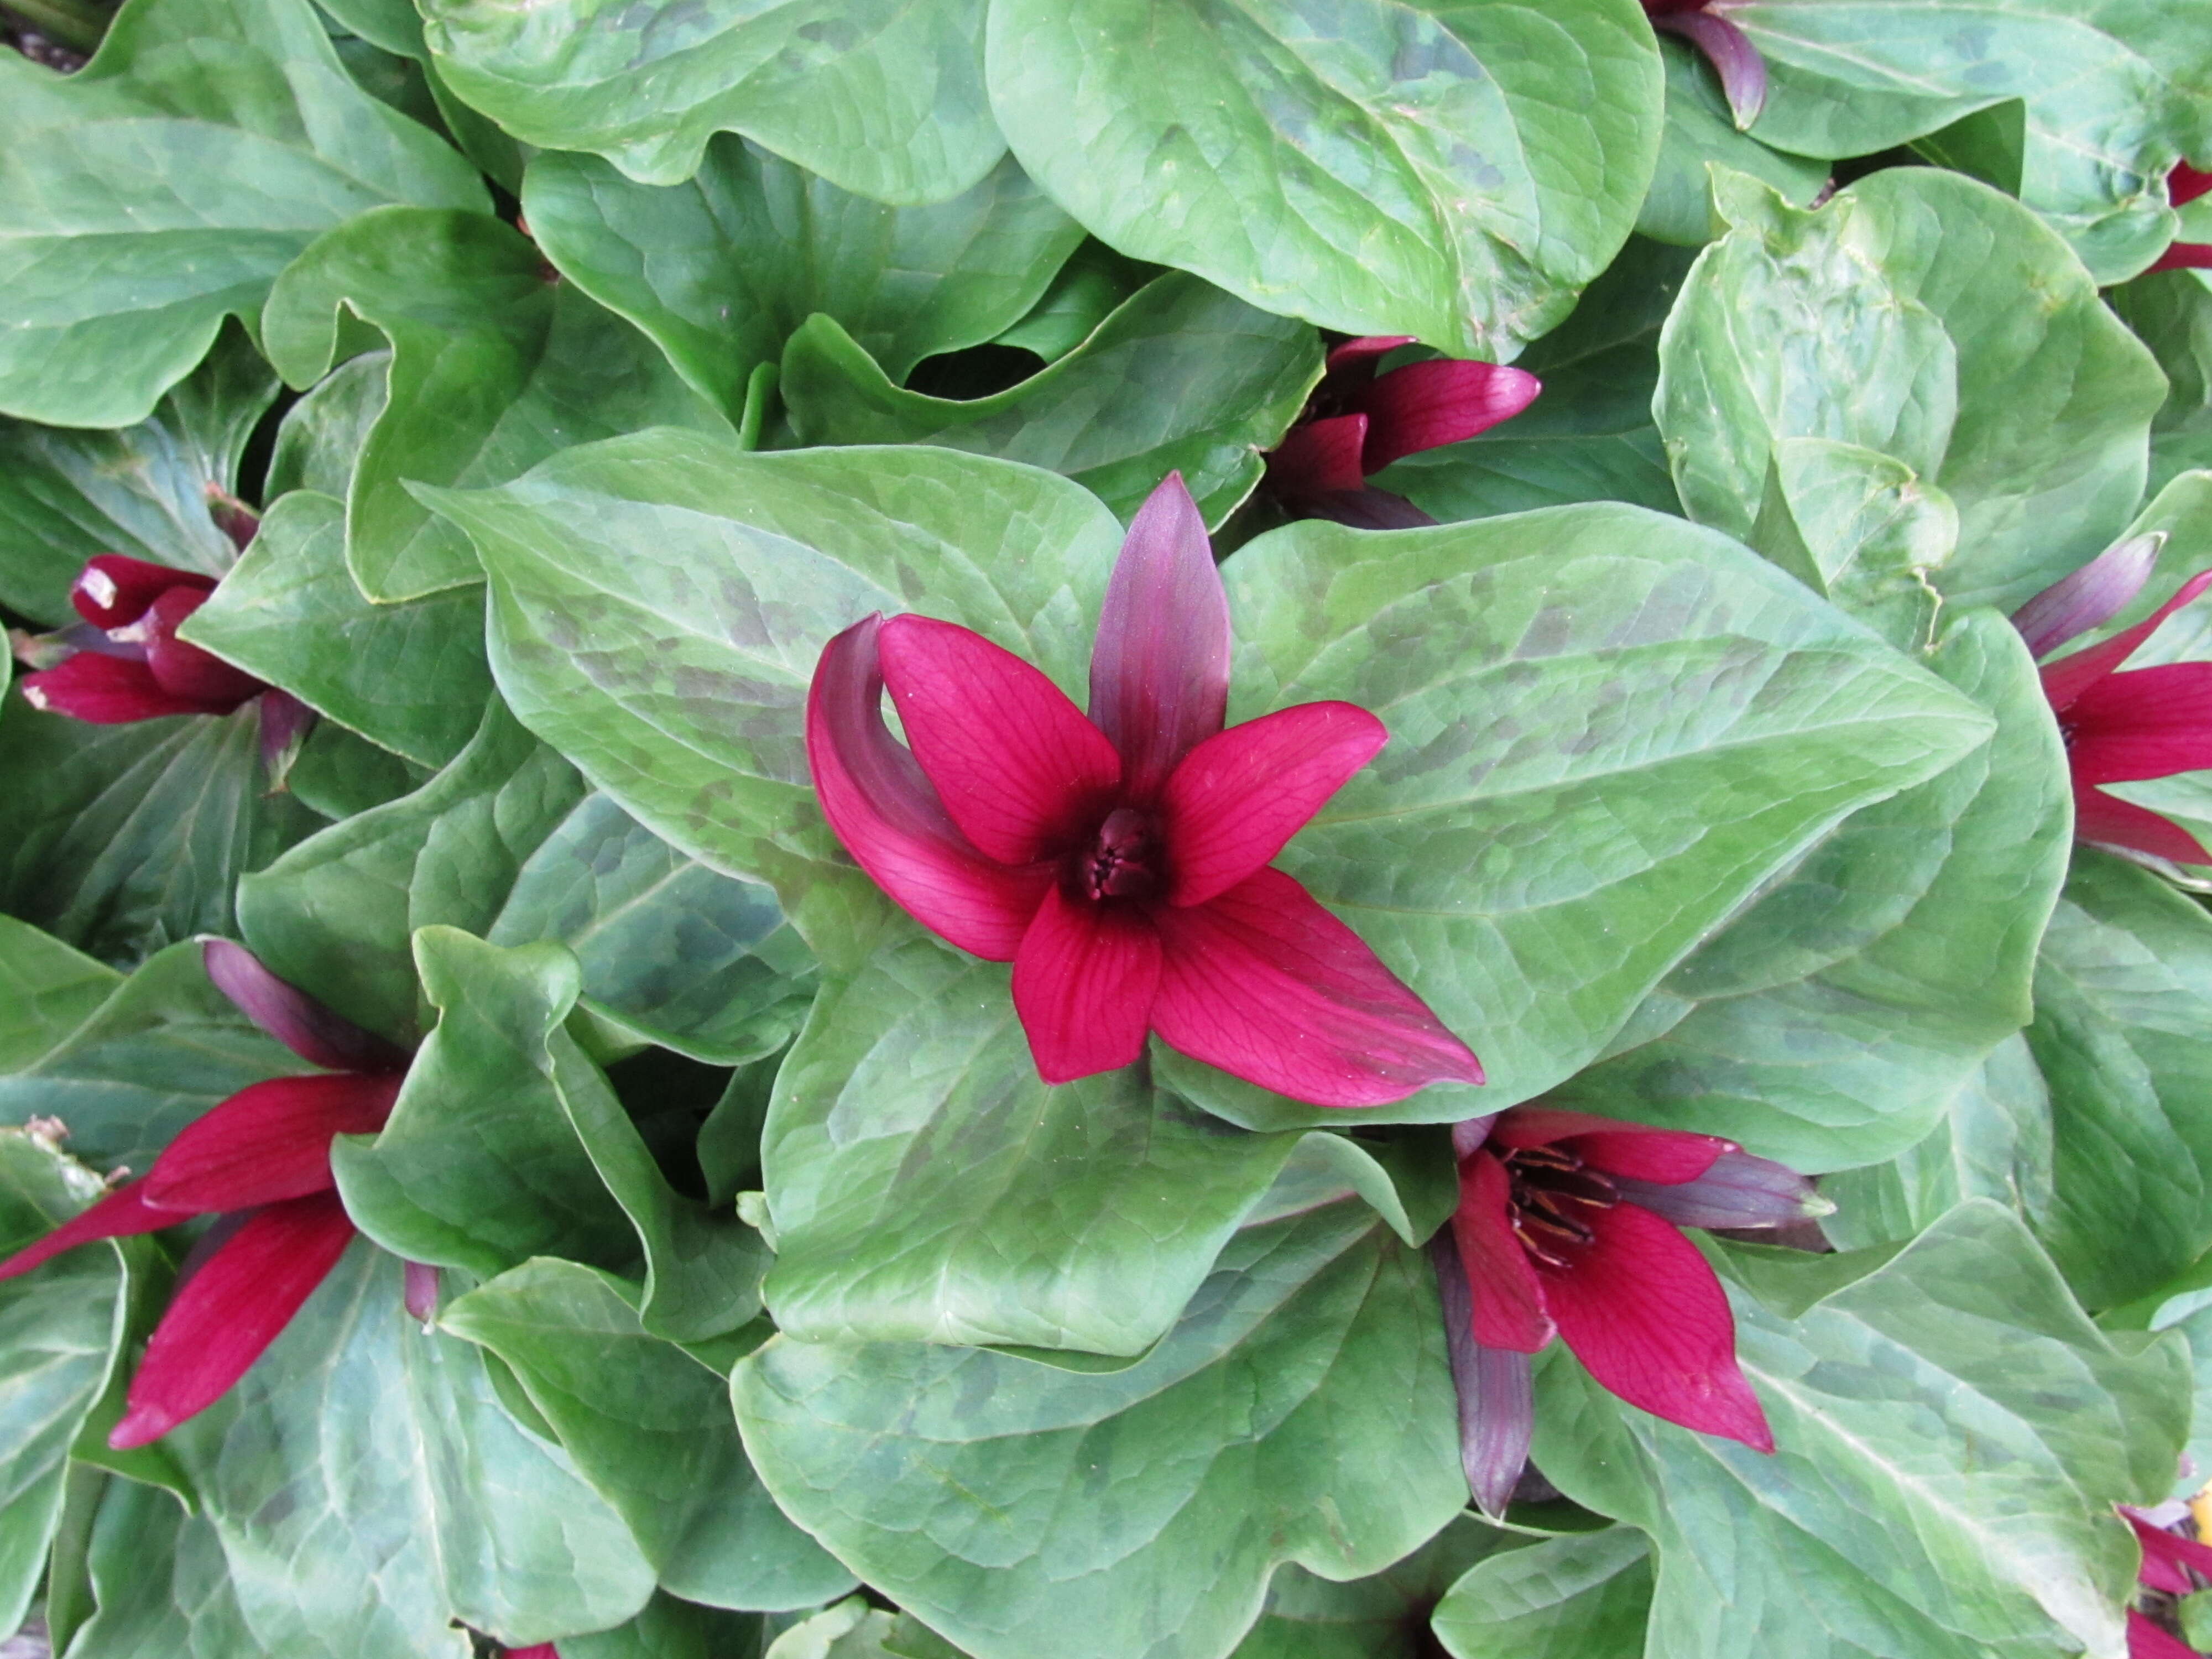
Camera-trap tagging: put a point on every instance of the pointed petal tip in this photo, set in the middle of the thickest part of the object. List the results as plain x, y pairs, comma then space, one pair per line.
420, 1293
1741, 69
141, 1425
2089, 597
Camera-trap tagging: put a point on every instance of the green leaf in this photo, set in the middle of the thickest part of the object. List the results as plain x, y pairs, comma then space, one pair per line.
670, 1629
649, 1427
338, 773
2171, 312
334, 1553
882, 98
1949, 1394
319, 441
1891, 318
927, 1187
144, 491
1701, 130
164, 1048
1020, 1509
850, 1630
493, 368
1582, 1597
1589, 436
1181, 377
60, 1330
2123, 1010
48, 991
1093, 282
721, 269
410, 677
1383, 1617
2111, 93
195, 188
1609, 730
1832, 1022
122, 839
683, 698
1456, 172
161, 1582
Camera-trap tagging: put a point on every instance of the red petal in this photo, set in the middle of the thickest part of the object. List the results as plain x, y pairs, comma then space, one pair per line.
890, 819
121, 1214
2070, 677
1508, 1296
542, 1650
2110, 822
1269, 986
2147, 1641
1351, 364
2167, 1557
113, 590
268, 1141
292, 1016
1636, 1150
108, 691
1318, 458
1734, 58
2145, 723
1015, 763
1084, 985
2184, 256
185, 671
2089, 598
1159, 668
1497, 1404
1642, 1310
1442, 401
1242, 793
230, 1311
2185, 184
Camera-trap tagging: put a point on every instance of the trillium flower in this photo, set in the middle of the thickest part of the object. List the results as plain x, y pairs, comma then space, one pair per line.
1735, 59
2183, 185
1568, 1226
260, 1162
2167, 1564
2122, 727
1357, 421
1121, 862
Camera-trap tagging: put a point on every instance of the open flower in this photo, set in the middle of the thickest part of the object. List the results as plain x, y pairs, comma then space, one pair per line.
1568, 1224
2183, 185
1121, 862
2122, 727
261, 1162
1357, 421
1737, 62
2168, 1563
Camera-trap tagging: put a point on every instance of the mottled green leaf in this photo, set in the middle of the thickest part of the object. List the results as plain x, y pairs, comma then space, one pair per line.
147, 198
47, 990
1020, 1509
721, 269
161, 1582
1455, 172
319, 441
493, 368
1181, 377
2171, 312
1582, 1597
1892, 318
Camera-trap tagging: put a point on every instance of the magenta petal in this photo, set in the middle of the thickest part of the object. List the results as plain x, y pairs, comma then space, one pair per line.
1269, 986
1159, 668
2147, 1641
1505, 1295
1238, 797
2145, 723
1019, 768
2066, 678
1644, 1312
113, 590
1734, 58
1738, 1190
1442, 401
1636, 1150
2184, 256
1084, 985
105, 691
185, 671
2185, 184
120, 1215
1319, 458
270, 1141
1497, 1401
292, 1016
419, 1294
1351, 364
2168, 1557
890, 818
2110, 822
232, 1310
542, 1650
2090, 597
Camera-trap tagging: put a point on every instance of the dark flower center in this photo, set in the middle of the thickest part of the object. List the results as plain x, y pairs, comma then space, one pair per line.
1123, 859
1553, 1194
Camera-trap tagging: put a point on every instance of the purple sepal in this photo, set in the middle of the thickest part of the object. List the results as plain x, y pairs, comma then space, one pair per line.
1469, 1133
421, 1294
292, 1017
1497, 1396
1363, 509
1738, 1191
285, 723
1737, 62
2091, 597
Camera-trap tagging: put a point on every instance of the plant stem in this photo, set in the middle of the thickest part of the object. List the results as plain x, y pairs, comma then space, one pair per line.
77, 24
